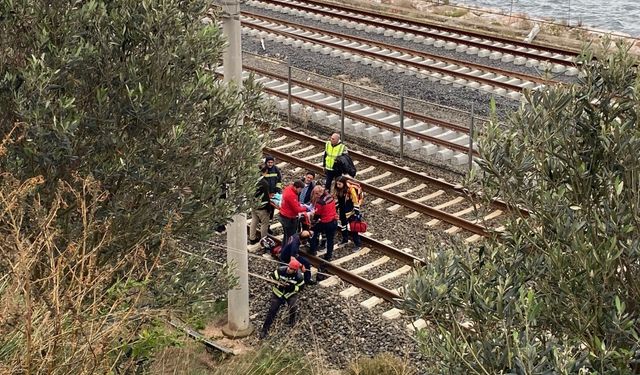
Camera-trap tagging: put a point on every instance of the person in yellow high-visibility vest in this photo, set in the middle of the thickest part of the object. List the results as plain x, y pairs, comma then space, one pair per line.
332, 149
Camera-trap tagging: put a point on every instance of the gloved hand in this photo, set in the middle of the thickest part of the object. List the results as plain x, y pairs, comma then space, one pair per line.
356, 214
309, 207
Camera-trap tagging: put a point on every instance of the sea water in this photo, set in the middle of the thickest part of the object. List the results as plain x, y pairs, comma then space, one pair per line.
614, 15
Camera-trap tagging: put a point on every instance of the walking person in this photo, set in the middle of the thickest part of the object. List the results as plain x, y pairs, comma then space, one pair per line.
291, 250
260, 215
290, 280
348, 205
332, 149
326, 220
290, 208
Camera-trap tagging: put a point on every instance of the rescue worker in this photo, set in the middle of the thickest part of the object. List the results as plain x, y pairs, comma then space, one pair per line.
261, 213
274, 176
332, 149
290, 280
348, 205
291, 250
326, 220
290, 208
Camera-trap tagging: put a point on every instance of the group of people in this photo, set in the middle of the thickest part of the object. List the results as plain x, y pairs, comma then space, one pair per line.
307, 212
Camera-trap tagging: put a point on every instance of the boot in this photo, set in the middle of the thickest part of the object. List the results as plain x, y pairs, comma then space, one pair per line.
345, 237
307, 278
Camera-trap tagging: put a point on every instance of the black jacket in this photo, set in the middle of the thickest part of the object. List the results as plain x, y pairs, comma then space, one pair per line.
262, 192
274, 179
290, 282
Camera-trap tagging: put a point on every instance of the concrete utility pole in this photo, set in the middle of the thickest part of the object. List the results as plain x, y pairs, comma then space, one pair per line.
238, 310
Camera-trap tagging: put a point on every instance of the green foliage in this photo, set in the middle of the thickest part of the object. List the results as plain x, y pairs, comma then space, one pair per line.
116, 136
151, 340
381, 364
122, 91
558, 291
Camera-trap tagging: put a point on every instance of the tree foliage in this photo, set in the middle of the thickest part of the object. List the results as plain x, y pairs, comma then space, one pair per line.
558, 291
122, 91
116, 136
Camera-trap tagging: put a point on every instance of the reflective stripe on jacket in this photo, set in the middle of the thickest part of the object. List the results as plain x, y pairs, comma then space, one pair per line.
274, 178
291, 282
331, 152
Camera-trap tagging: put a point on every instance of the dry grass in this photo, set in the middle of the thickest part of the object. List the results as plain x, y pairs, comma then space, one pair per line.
60, 311
382, 364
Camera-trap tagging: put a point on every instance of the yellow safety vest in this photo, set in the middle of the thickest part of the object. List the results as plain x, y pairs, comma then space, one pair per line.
332, 153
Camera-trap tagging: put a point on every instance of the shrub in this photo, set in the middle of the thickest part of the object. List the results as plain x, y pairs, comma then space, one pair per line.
557, 291
381, 364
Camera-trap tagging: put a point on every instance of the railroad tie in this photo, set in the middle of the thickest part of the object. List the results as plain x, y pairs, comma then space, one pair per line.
488, 217
425, 198
352, 291
417, 325
456, 214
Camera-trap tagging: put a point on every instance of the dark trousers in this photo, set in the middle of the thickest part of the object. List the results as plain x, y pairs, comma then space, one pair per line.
329, 230
289, 226
276, 302
345, 232
330, 176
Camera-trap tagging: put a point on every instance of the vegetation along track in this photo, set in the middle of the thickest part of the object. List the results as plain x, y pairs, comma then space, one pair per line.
402, 60
471, 42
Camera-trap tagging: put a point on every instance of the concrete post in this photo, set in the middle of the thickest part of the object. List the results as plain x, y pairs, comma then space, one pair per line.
402, 124
238, 324
342, 114
471, 139
289, 95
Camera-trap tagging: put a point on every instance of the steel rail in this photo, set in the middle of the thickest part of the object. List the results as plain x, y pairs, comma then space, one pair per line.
409, 203
485, 68
355, 280
421, 177
388, 108
380, 124
437, 26
407, 63
392, 252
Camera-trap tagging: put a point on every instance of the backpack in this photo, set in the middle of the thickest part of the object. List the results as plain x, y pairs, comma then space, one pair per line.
344, 164
269, 245
359, 193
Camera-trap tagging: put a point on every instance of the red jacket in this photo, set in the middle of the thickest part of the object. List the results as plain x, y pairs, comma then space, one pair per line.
290, 207
326, 208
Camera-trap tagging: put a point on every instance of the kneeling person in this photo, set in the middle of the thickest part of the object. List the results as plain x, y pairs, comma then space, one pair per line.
291, 250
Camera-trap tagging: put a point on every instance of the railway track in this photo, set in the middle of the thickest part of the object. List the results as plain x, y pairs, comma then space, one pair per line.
411, 194
428, 33
377, 269
402, 60
423, 136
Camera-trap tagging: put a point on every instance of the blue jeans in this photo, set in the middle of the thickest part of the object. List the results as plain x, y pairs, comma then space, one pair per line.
329, 230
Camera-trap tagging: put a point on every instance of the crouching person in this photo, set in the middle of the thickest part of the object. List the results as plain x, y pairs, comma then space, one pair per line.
290, 281
291, 250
